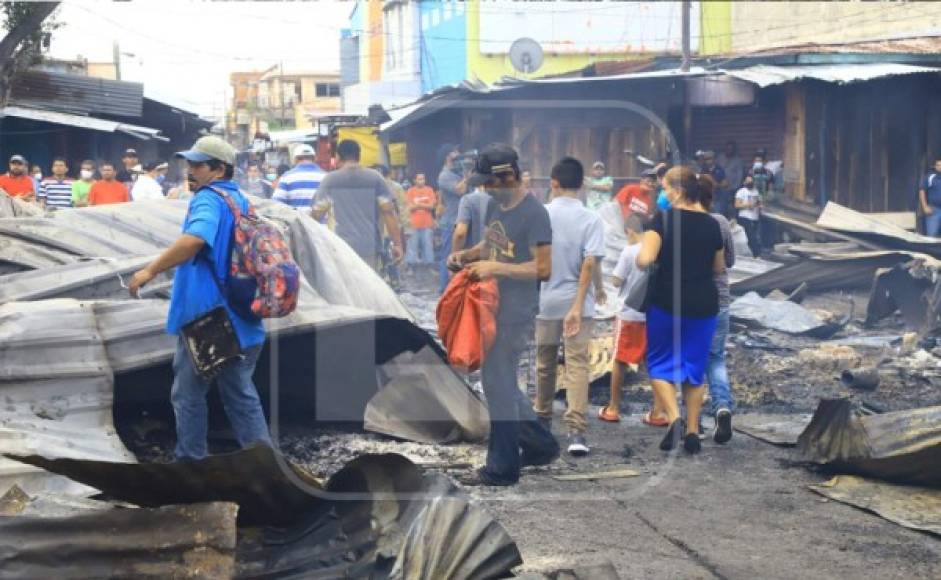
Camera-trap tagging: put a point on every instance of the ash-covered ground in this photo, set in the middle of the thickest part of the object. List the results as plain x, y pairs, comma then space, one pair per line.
741, 510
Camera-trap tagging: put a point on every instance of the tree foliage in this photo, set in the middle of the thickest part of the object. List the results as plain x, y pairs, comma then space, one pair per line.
26, 27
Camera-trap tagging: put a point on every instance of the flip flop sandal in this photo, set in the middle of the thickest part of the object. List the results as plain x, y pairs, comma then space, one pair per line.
649, 420
611, 417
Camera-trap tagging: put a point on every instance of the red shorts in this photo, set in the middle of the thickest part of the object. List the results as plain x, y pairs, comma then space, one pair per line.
631, 342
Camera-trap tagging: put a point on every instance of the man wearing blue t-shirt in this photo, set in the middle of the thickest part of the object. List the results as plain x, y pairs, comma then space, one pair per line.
201, 258
929, 196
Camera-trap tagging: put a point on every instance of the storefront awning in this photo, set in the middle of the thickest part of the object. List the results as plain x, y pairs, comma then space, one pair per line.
84, 122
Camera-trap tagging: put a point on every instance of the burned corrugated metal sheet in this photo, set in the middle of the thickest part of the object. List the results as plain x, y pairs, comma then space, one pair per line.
80, 94
345, 308
821, 273
914, 289
378, 514
843, 219
781, 315
901, 446
187, 541
256, 478
917, 508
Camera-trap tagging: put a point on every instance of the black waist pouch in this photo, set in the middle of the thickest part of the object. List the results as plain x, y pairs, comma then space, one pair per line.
211, 342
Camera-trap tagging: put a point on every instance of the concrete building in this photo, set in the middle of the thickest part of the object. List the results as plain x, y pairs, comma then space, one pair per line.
278, 99
396, 51
737, 27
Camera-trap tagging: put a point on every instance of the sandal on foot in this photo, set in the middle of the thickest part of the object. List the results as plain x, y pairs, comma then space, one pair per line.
605, 414
649, 420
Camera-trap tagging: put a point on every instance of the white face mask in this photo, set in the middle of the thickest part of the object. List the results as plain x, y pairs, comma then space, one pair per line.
37, 175
757, 166
271, 176
86, 174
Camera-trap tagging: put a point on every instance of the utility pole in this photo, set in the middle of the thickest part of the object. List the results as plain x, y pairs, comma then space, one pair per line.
281, 92
684, 67
117, 60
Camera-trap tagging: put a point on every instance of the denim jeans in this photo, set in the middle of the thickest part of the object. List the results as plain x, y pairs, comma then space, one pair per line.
933, 223
421, 247
720, 392
444, 275
513, 423
239, 398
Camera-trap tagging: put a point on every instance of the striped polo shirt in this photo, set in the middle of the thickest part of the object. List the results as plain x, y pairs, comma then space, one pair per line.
298, 186
58, 194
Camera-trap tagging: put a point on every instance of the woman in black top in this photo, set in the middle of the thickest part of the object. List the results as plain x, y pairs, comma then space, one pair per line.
686, 243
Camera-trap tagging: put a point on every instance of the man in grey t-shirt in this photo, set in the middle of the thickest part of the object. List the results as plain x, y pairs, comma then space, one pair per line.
471, 220
358, 197
567, 303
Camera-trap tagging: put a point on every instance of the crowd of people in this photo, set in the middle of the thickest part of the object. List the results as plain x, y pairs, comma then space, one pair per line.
95, 183
544, 249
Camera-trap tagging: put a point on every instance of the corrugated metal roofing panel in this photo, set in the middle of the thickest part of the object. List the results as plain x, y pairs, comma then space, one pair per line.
82, 121
60, 356
77, 94
768, 75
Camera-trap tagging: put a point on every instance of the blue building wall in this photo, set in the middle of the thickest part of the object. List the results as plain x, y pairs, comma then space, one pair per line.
443, 44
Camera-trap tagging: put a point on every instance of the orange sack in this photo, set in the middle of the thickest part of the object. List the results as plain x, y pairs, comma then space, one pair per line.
467, 320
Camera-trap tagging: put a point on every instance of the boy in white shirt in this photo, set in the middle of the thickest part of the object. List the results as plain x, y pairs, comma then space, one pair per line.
631, 330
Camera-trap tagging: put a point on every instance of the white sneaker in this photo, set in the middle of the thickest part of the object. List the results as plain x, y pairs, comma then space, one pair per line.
578, 445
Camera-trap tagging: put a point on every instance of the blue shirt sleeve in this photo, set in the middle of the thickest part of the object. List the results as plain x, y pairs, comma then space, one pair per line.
594, 244
204, 219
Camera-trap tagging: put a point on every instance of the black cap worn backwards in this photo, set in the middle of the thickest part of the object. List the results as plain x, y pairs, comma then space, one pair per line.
494, 160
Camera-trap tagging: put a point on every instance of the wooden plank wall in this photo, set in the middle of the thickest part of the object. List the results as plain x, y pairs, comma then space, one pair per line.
879, 138
545, 136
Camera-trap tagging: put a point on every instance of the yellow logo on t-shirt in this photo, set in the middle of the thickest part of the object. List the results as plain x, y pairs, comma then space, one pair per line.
502, 249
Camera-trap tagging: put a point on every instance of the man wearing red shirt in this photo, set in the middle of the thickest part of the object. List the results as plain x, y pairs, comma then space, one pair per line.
421, 204
637, 197
108, 189
17, 183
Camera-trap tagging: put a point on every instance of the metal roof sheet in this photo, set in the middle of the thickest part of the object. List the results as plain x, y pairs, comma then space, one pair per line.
82, 121
69, 329
79, 94
768, 75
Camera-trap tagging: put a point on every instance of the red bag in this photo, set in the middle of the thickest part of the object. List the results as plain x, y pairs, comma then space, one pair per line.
467, 320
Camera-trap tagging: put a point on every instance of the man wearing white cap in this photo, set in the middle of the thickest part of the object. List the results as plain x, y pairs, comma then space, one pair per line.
298, 186
146, 187
201, 257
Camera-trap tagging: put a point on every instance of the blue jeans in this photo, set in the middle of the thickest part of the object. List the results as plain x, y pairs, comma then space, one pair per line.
513, 423
444, 275
720, 392
933, 223
421, 247
239, 398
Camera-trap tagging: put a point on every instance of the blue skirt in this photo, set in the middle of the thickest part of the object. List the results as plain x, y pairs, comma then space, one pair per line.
678, 347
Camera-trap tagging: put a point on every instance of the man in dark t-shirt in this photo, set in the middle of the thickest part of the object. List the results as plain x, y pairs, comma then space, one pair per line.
517, 251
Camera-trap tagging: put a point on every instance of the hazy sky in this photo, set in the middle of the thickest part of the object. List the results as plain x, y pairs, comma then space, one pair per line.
185, 50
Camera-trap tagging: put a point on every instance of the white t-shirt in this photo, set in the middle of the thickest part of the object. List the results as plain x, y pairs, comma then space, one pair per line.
751, 196
627, 270
146, 187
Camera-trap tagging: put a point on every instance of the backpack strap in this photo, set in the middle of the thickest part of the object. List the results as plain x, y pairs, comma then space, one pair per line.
233, 207
236, 213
